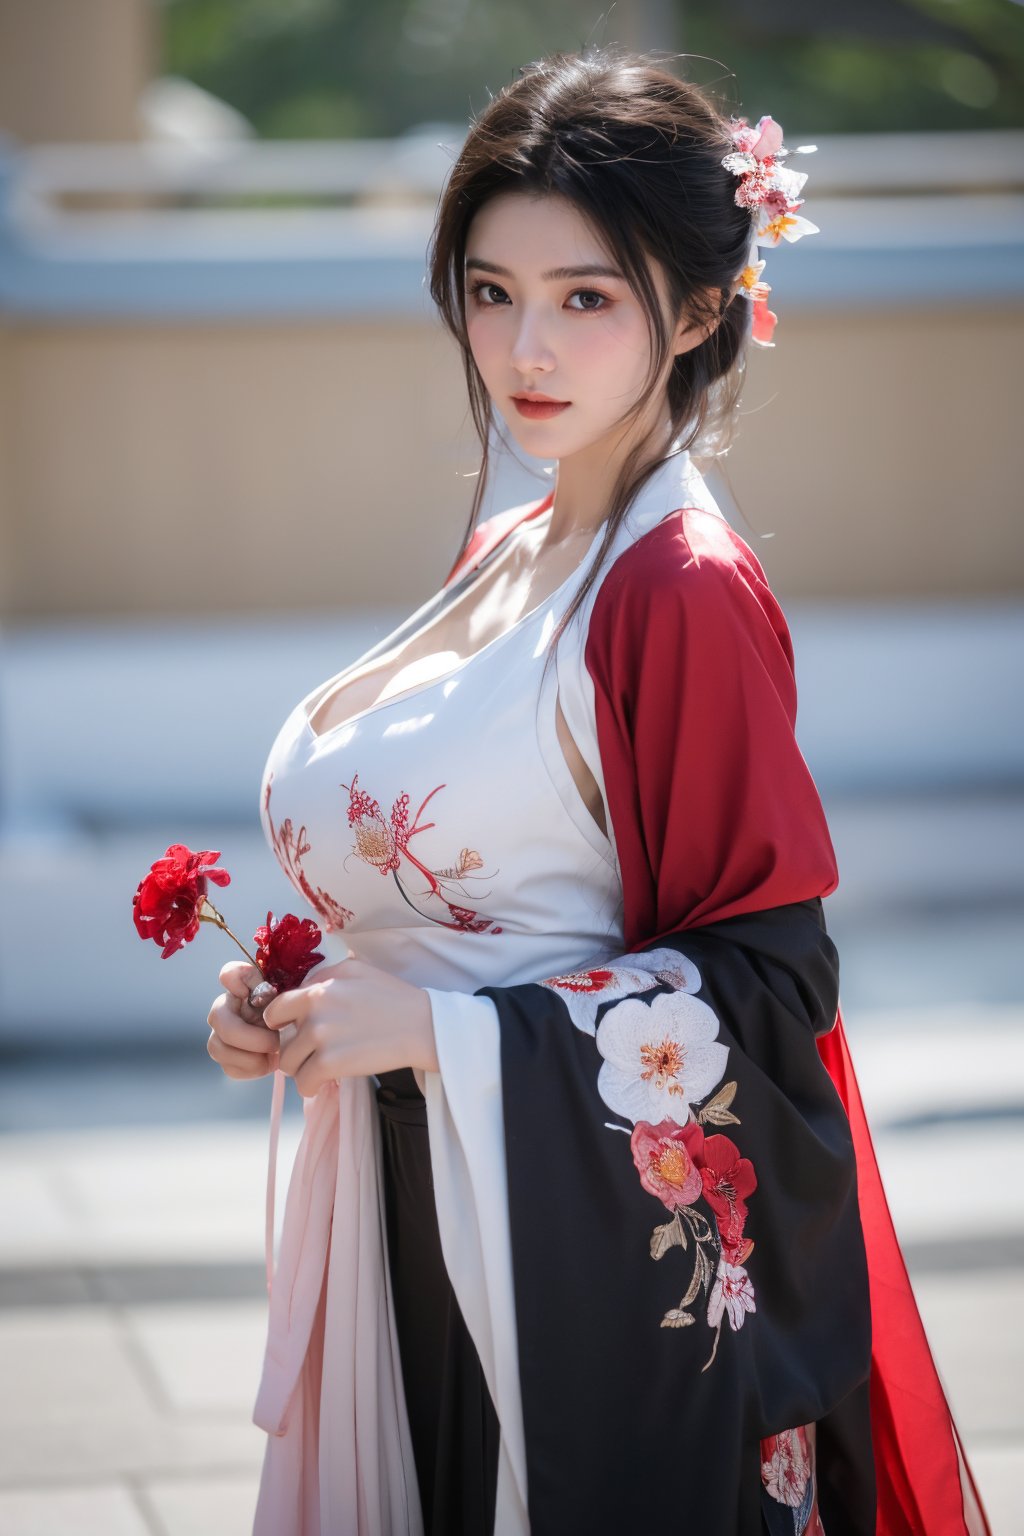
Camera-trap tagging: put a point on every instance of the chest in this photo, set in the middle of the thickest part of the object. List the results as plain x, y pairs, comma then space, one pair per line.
517, 582
446, 816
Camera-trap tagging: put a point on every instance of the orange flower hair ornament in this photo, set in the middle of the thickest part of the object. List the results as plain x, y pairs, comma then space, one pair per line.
767, 187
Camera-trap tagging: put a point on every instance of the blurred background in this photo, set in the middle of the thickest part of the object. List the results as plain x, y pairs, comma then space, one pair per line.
235, 450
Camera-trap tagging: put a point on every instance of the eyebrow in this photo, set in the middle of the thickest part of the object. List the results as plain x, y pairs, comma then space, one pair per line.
557, 274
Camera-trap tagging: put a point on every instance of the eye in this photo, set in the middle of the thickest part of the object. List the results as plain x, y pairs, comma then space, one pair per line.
591, 293
477, 289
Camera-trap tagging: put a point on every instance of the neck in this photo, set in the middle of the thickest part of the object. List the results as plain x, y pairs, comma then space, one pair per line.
583, 483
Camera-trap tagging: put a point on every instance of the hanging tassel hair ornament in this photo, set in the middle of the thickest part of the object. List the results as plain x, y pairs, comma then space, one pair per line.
770, 190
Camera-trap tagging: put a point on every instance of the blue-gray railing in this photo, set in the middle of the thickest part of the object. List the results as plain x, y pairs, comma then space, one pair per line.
905, 219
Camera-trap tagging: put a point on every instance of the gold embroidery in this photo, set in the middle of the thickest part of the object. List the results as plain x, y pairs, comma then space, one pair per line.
663, 1062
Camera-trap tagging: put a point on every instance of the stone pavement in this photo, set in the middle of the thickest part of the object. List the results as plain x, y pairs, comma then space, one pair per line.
132, 1307
132, 1298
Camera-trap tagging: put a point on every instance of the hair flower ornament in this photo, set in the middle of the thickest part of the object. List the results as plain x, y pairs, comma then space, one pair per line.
770, 190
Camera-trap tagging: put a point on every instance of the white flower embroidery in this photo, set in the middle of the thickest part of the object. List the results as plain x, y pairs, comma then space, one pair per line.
584, 991
732, 1293
659, 1058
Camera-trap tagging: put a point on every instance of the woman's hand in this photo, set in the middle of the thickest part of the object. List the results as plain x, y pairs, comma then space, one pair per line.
352, 1020
240, 1043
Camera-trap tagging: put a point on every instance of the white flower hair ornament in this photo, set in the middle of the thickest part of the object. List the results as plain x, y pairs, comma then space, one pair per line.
767, 187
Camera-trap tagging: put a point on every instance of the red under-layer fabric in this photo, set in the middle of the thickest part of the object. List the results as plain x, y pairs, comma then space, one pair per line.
925, 1487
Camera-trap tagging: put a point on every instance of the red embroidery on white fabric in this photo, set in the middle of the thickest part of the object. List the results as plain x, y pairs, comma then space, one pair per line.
584, 991
586, 982
291, 847
383, 843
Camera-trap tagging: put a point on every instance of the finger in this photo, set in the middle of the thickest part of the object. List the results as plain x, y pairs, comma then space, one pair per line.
226, 1021
239, 977
235, 977
244, 1009
287, 1008
238, 1063
297, 1051
310, 1078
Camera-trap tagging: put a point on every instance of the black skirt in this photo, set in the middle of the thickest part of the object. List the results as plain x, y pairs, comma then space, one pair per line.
455, 1431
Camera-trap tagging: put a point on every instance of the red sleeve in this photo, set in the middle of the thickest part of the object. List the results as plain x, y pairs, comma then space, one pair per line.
713, 808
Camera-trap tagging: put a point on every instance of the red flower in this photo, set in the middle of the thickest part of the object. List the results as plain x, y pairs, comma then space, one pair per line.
286, 950
728, 1179
168, 901
667, 1157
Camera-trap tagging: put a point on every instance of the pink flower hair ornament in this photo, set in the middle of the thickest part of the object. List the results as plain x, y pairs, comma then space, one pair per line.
770, 191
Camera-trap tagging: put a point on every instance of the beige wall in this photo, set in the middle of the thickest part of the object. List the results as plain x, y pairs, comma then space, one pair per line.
73, 69
228, 468
884, 452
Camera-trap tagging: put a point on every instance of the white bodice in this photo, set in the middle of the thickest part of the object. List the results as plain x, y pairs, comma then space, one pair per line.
440, 832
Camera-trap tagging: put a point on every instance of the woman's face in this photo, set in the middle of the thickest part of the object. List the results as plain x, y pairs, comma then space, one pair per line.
578, 336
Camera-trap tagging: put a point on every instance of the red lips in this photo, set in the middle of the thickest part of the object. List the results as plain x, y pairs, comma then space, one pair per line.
539, 407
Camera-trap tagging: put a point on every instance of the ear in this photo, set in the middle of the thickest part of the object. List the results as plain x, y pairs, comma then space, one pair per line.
690, 333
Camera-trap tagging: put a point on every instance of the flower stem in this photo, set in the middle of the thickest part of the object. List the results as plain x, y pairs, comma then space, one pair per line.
718, 1335
208, 914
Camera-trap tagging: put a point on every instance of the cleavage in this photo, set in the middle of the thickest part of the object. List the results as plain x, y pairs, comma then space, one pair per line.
426, 657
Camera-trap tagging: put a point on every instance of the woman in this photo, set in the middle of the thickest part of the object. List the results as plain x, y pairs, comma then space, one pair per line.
573, 1241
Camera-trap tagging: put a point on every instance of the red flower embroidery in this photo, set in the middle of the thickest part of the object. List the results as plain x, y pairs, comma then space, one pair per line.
585, 982
728, 1179
668, 1159
467, 920
383, 843
168, 900
290, 848
286, 951
377, 842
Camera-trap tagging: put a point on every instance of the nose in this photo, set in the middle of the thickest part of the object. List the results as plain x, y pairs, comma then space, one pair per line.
531, 348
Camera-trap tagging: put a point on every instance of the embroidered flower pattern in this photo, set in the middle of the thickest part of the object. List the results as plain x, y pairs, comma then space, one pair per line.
786, 1466
383, 843
583, 992
662, 1064
291, 848
659, 1057
788, 1479
667, 1158
732, 1294
727, 1179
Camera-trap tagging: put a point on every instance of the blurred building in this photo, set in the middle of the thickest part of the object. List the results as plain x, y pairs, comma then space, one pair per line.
234, 447
71, 70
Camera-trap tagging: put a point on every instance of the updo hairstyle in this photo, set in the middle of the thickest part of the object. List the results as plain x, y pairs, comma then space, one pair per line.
638, 152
